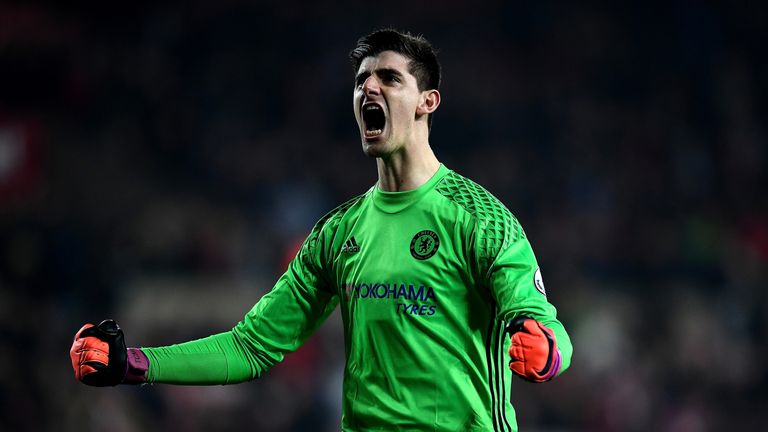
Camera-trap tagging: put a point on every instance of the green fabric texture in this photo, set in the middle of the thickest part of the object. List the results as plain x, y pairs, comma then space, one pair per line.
427, 281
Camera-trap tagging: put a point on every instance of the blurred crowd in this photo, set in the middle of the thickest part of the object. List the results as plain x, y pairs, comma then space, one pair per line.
160, 162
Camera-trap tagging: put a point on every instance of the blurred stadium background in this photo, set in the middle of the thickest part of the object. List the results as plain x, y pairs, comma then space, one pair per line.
159, 161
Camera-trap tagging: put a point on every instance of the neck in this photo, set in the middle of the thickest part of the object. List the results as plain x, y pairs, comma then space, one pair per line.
407, 169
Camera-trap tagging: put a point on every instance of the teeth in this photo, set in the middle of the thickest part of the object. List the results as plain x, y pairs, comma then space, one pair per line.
373, 133
371, 107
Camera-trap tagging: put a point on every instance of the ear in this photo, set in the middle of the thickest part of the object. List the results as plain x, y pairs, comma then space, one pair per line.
430, 100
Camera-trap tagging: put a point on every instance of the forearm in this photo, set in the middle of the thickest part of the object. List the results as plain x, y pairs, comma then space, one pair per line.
278, 324
217, 359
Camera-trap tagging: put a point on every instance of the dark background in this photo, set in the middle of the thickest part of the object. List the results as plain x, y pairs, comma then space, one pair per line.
159, 161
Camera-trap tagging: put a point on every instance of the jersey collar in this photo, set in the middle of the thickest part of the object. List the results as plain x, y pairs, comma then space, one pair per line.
394, 202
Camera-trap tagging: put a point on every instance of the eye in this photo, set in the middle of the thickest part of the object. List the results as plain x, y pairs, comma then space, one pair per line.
361, 79
391, 78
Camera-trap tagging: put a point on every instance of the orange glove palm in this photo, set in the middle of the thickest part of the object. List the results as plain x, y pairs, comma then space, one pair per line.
534, 353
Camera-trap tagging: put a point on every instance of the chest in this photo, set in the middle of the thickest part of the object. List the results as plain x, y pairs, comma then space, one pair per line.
409, 263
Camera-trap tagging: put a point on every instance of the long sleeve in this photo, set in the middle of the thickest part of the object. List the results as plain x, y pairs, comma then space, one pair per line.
278, 324
509, 268
515, 280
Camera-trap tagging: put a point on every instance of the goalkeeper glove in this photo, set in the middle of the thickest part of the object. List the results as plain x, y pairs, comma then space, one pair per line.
534, 352
100, 359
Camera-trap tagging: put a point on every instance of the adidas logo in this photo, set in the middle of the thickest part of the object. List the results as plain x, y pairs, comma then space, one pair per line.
350, 246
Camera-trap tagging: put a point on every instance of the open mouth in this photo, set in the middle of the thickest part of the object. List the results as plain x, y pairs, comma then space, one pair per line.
374, 120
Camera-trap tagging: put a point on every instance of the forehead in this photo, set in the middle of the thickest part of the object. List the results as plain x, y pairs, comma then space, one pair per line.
385, 60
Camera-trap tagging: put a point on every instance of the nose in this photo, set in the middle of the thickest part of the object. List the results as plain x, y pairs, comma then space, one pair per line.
371, 86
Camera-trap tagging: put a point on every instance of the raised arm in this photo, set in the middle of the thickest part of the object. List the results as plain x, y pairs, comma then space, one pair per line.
279, 323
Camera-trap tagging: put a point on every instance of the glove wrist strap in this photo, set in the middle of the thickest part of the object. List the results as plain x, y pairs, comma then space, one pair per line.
557, 361
136, 367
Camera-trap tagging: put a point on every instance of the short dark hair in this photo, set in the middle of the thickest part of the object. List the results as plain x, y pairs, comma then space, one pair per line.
423, 65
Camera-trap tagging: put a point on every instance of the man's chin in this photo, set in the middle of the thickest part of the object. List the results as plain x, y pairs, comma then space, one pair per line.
372, 151
375, 148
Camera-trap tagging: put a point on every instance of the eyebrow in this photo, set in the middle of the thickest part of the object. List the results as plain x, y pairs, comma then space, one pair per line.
380, 71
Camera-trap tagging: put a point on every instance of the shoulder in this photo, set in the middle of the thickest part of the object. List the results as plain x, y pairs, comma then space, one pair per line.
323, 234
495, 226
329, 223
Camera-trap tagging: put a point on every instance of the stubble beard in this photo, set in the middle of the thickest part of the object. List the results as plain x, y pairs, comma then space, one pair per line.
378, 148
383, 149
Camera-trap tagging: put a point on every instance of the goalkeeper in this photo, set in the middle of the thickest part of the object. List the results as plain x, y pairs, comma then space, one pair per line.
441, 297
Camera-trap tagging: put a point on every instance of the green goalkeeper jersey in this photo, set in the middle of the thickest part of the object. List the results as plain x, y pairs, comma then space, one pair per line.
427, 281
